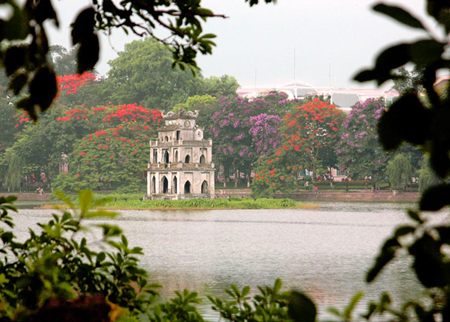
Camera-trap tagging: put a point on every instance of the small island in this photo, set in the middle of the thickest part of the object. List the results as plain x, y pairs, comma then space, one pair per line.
136, 202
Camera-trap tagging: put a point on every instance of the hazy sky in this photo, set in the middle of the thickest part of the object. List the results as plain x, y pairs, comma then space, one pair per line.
332, 39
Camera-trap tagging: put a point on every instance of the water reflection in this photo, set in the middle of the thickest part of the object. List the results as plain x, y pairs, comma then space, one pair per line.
324, 252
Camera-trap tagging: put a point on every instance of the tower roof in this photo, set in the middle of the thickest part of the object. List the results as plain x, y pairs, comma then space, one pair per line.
180, 114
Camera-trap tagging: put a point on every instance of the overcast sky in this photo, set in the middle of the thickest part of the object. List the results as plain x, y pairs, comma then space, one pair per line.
332, 39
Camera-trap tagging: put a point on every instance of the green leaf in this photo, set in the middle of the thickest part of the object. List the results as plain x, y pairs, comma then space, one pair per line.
404, 230
277, 285
101, 213
124, 241
15, 58
393, 57
400, 15
44, 10
436, 7
399, 123
16, 28
415, 216
101, 202
386, 254
17, 83
426, 52
245, 290
63, 197
86, 197
83, 25
43, 88
334, 311
347, 314
301, 308
435, 198
88, 53
429, 265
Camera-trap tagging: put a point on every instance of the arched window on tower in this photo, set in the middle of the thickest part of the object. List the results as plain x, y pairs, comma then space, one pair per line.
165, 185
175, 186
187, 159
153, 187
205, 187
166, 157
187, 187
202, 159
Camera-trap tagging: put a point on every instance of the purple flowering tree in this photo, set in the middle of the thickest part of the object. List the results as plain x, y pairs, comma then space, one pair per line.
359, 151
245, 130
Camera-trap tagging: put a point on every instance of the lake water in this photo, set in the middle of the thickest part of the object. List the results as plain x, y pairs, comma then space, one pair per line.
324, 252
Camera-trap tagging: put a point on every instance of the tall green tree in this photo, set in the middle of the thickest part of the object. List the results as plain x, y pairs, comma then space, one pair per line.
143, 74
15, 166
399, 171
223, 86
63, 61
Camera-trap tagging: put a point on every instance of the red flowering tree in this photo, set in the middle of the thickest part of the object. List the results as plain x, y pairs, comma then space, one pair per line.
82, 89
309, 133
116, 155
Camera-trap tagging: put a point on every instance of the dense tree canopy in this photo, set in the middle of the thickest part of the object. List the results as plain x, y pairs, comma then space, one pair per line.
245, 130
143, 74
308, 132
116, 153
360, 152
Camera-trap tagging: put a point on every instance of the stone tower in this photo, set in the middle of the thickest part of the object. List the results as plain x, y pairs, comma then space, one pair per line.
180, 164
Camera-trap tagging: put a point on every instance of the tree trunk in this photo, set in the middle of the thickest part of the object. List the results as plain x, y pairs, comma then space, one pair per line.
236, 172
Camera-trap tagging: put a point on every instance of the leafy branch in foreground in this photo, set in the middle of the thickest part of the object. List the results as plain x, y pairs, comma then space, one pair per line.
56, 273
423, 123
24, 43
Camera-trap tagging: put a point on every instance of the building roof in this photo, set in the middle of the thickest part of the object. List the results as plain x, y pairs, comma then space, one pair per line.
180, 114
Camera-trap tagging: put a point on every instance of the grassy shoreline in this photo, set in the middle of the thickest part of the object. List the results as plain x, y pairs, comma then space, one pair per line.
135, 202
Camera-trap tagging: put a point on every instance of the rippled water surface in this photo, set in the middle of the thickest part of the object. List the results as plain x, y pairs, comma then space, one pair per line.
324, 252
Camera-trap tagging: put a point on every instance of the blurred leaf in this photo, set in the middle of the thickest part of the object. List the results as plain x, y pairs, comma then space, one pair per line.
436, 7
44, 10
393, 57
43, 88
348, 311
88, 53
405, 120
404, 230
83, 25
301, 308
426, 52
400, 15
16, 28
365, 76
429, 263
414, 216
15, 58
384, 257
17, 83
64, 198
86, 197
435, 198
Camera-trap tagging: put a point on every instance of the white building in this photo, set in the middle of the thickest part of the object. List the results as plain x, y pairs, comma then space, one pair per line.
180, 164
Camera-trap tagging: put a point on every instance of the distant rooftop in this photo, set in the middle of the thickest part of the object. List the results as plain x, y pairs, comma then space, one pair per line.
343, 98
